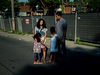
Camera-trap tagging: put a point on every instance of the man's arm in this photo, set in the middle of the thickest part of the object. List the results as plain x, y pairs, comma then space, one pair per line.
64, 34
56, 42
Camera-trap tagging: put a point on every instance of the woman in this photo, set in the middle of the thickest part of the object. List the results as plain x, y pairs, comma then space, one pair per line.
42, 29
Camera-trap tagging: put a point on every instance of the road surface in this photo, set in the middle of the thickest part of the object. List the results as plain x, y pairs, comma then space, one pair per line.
16, 58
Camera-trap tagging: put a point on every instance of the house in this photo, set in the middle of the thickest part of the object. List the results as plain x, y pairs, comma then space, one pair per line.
25, 11
70, 8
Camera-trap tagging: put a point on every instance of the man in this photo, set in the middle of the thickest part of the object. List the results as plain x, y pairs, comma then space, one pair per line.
61, 28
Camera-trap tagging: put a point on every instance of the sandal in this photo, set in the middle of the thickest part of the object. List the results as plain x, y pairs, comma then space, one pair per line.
53, 62
49, 61
44, 61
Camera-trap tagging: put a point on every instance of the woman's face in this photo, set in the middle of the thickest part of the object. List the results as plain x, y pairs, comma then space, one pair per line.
41, 22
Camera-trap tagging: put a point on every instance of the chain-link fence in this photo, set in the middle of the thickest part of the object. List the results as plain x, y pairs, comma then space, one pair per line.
88, 25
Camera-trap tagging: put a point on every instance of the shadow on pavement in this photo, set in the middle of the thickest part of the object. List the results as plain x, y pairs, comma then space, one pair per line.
71, 67
88, 52
45, 69
77, 64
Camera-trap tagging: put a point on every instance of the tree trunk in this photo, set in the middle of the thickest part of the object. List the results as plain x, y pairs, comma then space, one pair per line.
45, 10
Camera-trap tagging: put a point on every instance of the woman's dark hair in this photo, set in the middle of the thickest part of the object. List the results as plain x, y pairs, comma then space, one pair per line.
44, 24
37, 35
52, 30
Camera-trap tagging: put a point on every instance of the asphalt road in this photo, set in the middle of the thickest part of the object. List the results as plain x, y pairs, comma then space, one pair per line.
16, 58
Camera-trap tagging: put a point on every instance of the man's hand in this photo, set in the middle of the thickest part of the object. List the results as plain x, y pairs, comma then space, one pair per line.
55, 47
62, 41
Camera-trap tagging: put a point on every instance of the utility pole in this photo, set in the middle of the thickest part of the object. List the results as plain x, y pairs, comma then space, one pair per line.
75, 25
13, 21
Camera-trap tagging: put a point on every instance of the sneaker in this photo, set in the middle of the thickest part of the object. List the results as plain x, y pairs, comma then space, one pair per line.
35, 63
40, 63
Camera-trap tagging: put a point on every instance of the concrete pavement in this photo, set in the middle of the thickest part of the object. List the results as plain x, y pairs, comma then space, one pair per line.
71, 46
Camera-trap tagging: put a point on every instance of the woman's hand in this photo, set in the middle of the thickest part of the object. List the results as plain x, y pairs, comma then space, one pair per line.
42, 41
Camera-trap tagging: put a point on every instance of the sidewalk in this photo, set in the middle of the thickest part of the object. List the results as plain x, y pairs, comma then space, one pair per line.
81, 49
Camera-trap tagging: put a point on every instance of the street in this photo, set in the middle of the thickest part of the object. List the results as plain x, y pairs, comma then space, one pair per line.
16, 58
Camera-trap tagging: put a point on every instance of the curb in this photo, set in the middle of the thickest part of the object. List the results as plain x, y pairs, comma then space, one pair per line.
79, 52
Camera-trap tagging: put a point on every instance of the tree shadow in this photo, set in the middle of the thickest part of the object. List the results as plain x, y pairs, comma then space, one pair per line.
46, 69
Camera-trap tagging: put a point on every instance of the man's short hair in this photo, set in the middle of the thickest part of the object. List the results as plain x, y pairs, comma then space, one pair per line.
59, 13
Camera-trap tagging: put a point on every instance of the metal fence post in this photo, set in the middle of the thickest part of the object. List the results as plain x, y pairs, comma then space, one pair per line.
32, 23
19, 24
10, 24
4, 25
75, 26
55, 17
0, 24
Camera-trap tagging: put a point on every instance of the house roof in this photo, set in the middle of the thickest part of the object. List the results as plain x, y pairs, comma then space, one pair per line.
70, 5
25, 8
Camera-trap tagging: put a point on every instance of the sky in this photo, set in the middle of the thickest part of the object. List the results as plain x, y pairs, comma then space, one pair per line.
23, 0
27, 0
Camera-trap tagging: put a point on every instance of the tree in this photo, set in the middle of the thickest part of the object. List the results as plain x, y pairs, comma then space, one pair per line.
81, 6
45, 3
27, 3
6, 4
94, 4
20, 4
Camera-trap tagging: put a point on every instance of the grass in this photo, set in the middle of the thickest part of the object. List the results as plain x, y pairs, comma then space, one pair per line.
86, 44
14, 32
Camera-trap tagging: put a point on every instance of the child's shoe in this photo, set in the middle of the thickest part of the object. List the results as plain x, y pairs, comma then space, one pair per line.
40, 63
49, 61
35, 62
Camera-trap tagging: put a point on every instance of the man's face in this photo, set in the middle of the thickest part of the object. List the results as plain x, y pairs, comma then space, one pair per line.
58, 17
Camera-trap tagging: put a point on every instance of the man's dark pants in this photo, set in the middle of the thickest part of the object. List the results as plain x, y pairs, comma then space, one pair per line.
63, 47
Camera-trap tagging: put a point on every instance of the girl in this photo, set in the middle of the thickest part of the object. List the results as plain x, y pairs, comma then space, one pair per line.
37, 48
54, 47
42, 29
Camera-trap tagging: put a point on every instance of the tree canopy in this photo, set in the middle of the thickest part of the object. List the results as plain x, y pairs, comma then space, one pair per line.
94, 4
46, 2
6, 4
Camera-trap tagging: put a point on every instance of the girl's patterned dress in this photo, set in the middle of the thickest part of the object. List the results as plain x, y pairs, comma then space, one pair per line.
37, 47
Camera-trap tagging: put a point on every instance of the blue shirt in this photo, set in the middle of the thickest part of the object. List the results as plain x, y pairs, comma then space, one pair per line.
53, 44
60, 25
